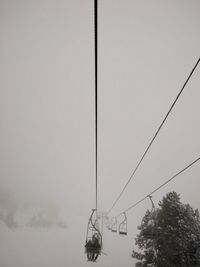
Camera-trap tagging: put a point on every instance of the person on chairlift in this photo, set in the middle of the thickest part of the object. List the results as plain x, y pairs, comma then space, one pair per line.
93, 248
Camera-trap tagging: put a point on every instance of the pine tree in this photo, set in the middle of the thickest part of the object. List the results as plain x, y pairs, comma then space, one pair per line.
170, 235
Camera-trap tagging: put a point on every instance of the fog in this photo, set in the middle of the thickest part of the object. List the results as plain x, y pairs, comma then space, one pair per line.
47, 154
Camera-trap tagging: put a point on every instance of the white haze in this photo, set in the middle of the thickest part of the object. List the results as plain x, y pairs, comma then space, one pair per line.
147, 49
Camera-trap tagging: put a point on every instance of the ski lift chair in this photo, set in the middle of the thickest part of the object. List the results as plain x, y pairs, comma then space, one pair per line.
123, 226
93, 244
114, 226
149, 233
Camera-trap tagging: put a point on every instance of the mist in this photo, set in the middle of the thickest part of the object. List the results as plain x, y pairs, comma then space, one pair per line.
47, 140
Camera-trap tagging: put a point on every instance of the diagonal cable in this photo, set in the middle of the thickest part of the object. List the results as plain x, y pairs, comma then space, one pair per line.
154, 137
159, 187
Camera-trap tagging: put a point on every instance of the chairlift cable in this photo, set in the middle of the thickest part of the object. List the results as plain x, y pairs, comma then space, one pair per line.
93, 245
158, 188
96, 95
154, 137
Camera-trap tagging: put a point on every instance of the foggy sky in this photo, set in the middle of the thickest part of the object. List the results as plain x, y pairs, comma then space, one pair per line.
146, 52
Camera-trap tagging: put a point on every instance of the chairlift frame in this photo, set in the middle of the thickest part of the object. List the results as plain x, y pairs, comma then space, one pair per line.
150, 235
114, 226
123, 226
92, 229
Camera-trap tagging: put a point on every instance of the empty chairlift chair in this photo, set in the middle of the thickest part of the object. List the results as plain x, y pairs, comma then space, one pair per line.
110, 226
123, 226
114, 225
149, 231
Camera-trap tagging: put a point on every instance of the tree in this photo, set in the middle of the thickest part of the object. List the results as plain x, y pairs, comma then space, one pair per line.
170, 235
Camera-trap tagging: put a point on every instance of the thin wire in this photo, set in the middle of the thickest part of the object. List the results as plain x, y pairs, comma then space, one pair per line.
96, 93
158, 188
154, 137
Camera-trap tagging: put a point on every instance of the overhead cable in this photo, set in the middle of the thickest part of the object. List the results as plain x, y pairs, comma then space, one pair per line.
96, 94
158, 188
154, 137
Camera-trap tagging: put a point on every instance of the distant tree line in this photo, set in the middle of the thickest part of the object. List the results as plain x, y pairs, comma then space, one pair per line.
38, 217
169, 235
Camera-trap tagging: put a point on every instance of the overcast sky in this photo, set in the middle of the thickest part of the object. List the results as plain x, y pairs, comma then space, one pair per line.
147, 48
